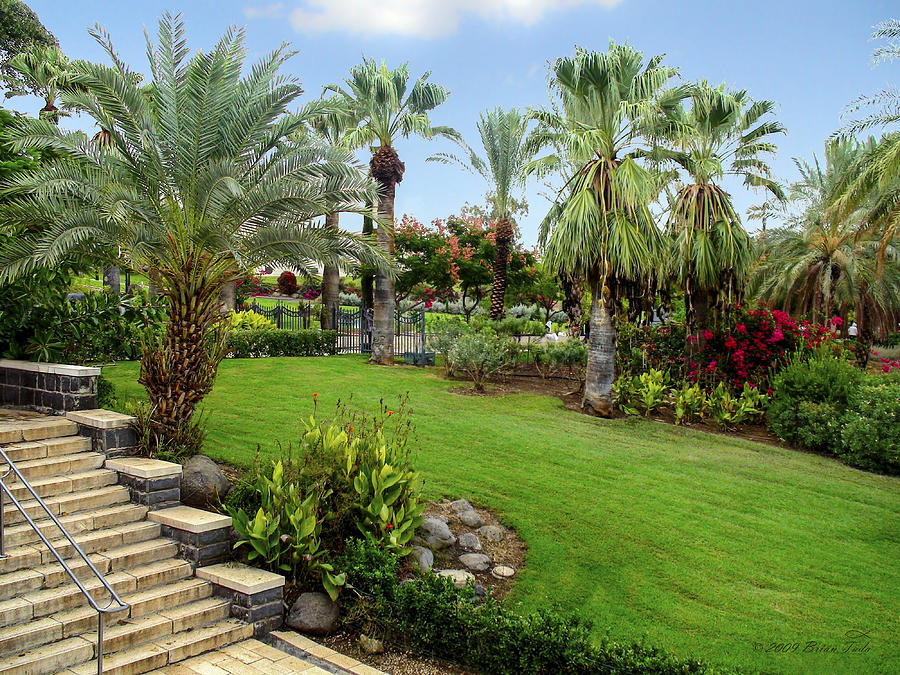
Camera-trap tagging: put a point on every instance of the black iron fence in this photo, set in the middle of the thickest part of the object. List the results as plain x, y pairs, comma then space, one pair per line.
286, 315
354, 328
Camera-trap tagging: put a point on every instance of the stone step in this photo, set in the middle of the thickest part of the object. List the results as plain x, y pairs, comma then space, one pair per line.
169, 650
76, 523
36, 429
146, 588
68, 503
49, 658
46, 467
49, 447
58, 485
52, 575
28, 556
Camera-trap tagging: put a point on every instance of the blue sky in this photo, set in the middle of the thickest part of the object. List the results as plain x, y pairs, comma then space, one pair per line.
811, 56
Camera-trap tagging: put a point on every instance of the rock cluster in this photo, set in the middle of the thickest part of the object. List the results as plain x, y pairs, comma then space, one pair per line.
435, 536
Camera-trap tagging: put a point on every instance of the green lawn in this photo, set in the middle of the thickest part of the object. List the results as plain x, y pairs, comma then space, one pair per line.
704, 544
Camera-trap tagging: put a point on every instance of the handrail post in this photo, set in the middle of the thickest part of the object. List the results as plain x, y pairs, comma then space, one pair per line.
99, 643
2, 534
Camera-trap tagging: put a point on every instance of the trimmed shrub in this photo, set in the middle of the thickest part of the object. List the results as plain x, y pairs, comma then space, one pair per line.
249, 321
254, 344
287, 283
822, 379
870, 438
480, 356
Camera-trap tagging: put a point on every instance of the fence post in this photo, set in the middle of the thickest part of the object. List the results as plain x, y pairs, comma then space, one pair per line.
422, 333
278, 315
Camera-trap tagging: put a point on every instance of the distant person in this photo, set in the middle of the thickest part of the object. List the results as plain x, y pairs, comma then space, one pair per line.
853, 330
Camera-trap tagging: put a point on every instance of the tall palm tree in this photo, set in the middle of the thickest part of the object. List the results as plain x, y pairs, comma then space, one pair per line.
769, 208
201, 182
721, 133
387, 110
506, 155
328, 126
602, 229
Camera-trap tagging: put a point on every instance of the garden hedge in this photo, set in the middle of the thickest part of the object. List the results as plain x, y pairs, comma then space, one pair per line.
254, 344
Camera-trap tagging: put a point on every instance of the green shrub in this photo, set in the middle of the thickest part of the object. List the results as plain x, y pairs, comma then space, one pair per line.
106, 393
434, 616
567, 358
819, 426
177, 447
250, 321
254, 344
642, 393
480, 356
870, 438
819, 379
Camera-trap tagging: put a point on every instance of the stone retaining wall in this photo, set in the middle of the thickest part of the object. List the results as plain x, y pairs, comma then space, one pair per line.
51, 388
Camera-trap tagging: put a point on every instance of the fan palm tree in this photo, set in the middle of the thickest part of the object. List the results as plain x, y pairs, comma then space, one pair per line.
506, 155
721, 133
387, 110
601, 228
200, 183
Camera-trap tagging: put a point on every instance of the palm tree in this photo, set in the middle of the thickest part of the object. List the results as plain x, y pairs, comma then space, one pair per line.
769, 208
201, 182
328, 125
874, 181
43, 69
387, 110
722, 133
506, 155
821, 263
602, 229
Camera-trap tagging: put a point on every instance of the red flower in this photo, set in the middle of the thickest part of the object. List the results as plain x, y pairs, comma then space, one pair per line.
390, 412
730, 343
741, 328
707, 335
390, 527
315, 395
837, 321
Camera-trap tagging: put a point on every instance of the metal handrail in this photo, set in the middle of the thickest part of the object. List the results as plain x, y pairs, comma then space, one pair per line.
115, 604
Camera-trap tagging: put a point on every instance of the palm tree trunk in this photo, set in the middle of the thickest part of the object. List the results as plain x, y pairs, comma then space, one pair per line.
331, 279
179, 371
367, 288
387, 170
228, 298
601, 365
498, 292
384, 307
112, 280
573, 292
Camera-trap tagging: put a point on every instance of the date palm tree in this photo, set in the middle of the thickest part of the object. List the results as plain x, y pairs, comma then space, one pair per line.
721, 133
42, 69
200, 183
388, 110
506, 155
601, 228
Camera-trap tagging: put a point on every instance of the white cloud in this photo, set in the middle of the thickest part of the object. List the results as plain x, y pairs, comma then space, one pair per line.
421, 18
264, 11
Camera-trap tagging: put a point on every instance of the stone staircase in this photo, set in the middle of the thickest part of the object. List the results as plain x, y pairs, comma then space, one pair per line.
46, 625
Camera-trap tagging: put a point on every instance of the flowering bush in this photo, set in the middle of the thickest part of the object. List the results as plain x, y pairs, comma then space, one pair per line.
287, 283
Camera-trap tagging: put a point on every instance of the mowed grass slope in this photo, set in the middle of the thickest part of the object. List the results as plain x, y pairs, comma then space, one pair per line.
707, 545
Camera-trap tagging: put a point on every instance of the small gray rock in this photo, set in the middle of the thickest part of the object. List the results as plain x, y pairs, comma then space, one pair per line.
313, 613
202, 483
439, 516
469, 541
370, 645
492, 532
423, 558
471, 518
476, 561
479, 591
436, 534
460, 505
460, 577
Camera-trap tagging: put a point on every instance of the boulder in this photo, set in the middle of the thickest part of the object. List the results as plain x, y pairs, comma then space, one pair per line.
202, 483
423, 558
478, 562
460, 505
492, 532
471, 518
313, 613
460, 577
436, 534
469, 541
